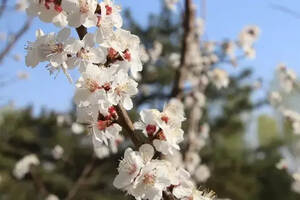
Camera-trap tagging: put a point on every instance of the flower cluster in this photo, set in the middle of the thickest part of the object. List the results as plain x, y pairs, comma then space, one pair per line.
163, 128
109, 62
23, 166
247, 38
104, 59
171, 4
147, 178
287, 80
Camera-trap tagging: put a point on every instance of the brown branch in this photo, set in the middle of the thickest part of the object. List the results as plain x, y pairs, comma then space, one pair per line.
87, 170
188, 23
3, 7
81, 31
15, 39
125, 122
39, 185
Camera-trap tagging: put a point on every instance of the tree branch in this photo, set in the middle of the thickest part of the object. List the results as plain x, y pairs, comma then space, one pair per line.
3, 7
39, 185
180, 75
15, 39
87, 170
81, 31
125, 121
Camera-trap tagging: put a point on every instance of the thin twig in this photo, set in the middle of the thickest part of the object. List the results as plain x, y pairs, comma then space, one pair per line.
81, 31
3, 7
15, 39
39, 185
125, 122
87, 170
285, 10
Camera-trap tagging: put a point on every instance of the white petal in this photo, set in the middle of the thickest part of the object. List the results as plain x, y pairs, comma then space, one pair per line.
63, 34
147, 152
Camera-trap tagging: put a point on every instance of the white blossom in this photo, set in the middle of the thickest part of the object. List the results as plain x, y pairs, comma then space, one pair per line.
151, 182
220, 78
80, 12
122, 47
123, 88
52, 48
52, 197
275, 98
202, 173
131, 165
47, 11
185, 187
22, 167
163, 128
155, 51
110, 16
287, 77
77, 128
84, 52
57, 152
171, 4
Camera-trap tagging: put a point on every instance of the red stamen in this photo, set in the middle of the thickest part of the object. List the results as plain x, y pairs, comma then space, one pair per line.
165, 119
106, 87
112, 53
127, 55
108, 10
161, 136
58, 8
103, 124
150, 130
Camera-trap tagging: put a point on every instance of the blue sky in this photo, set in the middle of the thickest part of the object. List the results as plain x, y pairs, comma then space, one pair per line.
279, 42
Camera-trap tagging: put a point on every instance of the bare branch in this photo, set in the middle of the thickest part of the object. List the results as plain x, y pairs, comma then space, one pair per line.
15, 39
81, 31
188, 23
3, 7
125, 121
39, 185
285, 10
88, 169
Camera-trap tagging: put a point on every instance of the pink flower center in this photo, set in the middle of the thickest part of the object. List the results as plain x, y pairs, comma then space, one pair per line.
150, 129
92, 85
161, 136
112, 113
165, 119
56, 4
106, 87
108, 10
112, 54
132, 169
127, 55
103, 124
149, 179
